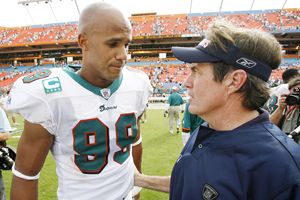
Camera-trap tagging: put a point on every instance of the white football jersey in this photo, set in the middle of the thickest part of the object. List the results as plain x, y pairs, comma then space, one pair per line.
4, 122
93, 128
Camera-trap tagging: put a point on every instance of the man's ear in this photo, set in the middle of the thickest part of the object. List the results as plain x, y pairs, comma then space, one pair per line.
83, 41
235, 80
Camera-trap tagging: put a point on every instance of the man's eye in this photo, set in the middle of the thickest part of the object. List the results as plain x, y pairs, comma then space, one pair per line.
194, 69
113, 44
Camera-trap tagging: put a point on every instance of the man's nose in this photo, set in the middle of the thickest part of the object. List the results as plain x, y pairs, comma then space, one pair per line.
122, 54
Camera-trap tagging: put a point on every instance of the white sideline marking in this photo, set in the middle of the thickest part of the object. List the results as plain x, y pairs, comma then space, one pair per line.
14, 132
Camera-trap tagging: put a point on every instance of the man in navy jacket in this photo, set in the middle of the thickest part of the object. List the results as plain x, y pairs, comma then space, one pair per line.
238, 153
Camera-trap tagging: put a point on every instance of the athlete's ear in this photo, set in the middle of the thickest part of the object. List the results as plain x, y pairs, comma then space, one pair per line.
235, 80
83, 41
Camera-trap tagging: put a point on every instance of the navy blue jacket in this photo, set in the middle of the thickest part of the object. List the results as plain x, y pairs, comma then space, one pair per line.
254, 161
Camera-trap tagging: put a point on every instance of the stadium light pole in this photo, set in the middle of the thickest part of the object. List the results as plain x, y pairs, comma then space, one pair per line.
283, 5
77, 7
191, 5
27, 2
220, 9
23, 2
252, 5
26, 7
49, 3
280, 15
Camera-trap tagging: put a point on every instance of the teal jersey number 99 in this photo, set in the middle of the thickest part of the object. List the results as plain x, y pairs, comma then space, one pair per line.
91, 142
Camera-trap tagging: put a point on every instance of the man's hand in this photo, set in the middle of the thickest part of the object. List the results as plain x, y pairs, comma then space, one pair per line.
281, 102
158, 183
4, 136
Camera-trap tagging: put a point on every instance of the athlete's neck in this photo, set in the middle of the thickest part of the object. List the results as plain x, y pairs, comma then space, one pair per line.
96, 82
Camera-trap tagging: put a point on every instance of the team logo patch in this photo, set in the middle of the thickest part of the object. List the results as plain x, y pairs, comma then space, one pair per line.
246, 62
104, 108
209, 193
204, 43
105, 93
44, 73
52, 85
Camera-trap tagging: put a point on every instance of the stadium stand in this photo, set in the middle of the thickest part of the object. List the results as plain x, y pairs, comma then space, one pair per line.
151, 25
163, 72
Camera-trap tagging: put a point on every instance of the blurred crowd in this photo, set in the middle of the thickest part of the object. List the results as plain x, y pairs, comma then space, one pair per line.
149, 25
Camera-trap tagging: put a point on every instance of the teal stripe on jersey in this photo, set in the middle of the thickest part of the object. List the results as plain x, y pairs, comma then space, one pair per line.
96, 90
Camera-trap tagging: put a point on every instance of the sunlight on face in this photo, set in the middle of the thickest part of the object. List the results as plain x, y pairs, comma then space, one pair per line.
107, 47
206, 95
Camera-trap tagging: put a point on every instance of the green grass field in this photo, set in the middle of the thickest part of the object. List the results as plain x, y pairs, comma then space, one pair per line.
160, 151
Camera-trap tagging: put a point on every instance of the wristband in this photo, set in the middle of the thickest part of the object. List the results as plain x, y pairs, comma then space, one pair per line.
23, 176
138, 142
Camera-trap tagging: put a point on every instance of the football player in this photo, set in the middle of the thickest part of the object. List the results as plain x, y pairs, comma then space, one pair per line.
88, 119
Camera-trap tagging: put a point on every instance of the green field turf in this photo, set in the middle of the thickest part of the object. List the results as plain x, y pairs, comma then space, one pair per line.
160, 152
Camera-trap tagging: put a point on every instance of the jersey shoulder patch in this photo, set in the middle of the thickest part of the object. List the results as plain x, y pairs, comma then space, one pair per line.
52, 85
44, 79
44, 73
